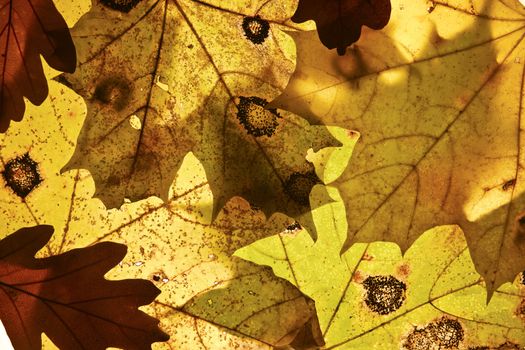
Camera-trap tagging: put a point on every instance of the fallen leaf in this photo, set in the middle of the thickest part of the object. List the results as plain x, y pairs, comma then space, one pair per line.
372, 297
339, 22
28, 29
209, 299
436, 98
67, 297
167, 78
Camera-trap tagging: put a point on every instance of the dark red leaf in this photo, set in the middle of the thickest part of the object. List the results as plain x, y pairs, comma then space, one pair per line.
67, 297
28, 29
339, 21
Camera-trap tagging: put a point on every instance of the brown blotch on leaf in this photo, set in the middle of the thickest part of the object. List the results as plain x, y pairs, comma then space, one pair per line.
443, 334
509, 184
114, 91
367, 257
358, 277
257, 120
295, 226
299, 185
384, 294
121, 5
519, 235
255, 29
404, 270
21, 175
431, 6
520, 311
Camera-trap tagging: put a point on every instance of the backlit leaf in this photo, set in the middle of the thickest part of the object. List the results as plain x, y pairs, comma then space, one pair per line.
437, 98
163, 78
28, 29
339, 22
208, 299
67, 297
373, 298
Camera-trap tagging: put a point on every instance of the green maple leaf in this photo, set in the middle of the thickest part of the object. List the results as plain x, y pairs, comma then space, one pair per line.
372, 297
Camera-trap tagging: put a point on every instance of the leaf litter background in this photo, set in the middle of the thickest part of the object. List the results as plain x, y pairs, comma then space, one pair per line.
202, 284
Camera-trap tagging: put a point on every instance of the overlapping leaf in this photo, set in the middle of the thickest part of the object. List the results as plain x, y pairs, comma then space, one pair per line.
163, 78
67, 297
373, 298
28, 29
437, 97
339, 22
208, 298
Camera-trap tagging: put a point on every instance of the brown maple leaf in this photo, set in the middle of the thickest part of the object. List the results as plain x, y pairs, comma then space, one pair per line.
28, 29
339, 22
67, 297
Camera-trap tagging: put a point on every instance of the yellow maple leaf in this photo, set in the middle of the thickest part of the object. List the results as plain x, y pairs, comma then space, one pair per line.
437, 98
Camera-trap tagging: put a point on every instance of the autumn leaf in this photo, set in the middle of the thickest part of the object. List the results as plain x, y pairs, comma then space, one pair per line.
339, 22
436, 97
372, 297
209, 299
28, 29
164, 78
67, 297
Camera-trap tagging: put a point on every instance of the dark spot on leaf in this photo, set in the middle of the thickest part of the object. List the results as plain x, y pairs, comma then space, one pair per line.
431, 7
448, 333
156, 278
121, 5
508, 184
114, 91
21, 175
520, 311
443, 334
63, 80
254, 118
299, 185
255, 29
384, 294
419, 339
293, 227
